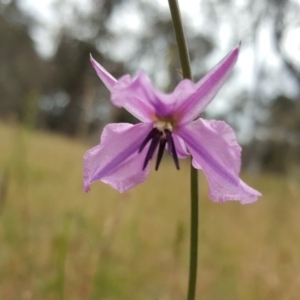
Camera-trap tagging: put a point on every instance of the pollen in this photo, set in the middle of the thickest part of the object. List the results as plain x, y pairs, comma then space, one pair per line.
163, 125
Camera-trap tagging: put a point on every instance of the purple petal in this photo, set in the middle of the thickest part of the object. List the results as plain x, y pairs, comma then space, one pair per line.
141, 99
193, 98
116, 160
180, 147
107, 78
214, 147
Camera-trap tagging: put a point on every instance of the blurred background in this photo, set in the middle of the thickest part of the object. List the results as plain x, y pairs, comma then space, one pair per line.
57, 242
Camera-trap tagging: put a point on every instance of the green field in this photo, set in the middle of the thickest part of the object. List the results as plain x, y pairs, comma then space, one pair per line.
57, 242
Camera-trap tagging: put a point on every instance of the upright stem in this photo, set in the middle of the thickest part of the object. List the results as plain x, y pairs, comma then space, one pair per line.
194, 234
186, 72
181, 43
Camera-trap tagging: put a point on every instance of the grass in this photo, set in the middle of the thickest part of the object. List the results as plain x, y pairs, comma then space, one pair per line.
56, 242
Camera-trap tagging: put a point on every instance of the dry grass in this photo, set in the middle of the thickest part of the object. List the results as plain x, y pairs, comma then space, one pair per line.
57, 242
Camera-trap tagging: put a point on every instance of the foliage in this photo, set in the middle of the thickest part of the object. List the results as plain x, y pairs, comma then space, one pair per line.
58, 242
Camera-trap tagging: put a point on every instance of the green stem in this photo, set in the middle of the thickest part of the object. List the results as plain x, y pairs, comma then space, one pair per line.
186, 72
181, 44
194, 234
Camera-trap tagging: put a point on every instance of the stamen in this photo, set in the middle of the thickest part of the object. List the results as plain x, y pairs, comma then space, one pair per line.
162, 137
172, 148
160, 153
154, 143
147, 139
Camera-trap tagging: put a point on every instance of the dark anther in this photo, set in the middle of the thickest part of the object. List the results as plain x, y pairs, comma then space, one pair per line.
156, 135
172, 148
160, 153
158, 138
147, 139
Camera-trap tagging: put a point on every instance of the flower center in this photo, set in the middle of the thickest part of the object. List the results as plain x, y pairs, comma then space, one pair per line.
163, 125
160, 136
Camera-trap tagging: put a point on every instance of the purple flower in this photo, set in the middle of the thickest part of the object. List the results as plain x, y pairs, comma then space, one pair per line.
171, 121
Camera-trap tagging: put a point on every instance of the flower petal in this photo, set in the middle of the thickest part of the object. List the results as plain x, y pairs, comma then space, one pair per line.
107, 78
180, 147
136, 96
193, 98
141, 99
116, 160
214, 147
